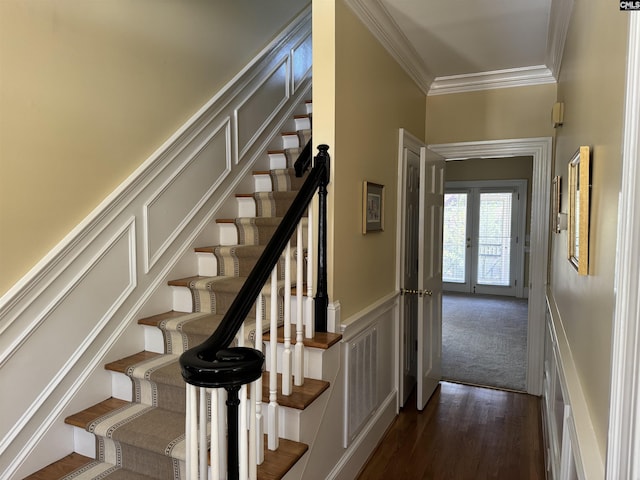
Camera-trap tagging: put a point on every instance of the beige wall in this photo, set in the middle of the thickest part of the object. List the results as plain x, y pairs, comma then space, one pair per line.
591, 85
518, 112
89, 90
373, 99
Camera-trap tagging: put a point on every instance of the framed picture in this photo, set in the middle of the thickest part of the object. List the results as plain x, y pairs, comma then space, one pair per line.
578, 222
372, 207
556, 185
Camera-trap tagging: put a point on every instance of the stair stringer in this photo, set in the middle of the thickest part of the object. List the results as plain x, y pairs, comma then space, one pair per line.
114, 264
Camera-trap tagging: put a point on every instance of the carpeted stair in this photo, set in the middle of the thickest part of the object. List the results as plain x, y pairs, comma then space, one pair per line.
144, 438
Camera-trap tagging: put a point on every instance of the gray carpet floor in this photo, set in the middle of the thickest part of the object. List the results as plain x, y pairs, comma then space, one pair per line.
484, 340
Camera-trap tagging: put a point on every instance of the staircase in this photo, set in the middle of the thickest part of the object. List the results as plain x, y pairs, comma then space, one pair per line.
139, 432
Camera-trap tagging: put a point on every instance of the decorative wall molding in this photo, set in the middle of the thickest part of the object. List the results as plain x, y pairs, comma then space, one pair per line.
92, 284
623, 451
559, 18
513, 77
541, 151
581, 447
377, 19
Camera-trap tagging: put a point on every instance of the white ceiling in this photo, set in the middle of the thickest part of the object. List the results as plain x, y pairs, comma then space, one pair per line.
457, 45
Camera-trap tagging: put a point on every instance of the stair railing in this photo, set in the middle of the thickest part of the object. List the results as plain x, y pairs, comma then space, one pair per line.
217, 373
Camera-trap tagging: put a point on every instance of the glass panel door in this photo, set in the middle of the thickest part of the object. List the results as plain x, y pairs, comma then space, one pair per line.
481, 243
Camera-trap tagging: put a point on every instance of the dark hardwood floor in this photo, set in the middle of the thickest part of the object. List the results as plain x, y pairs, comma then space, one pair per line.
464, 433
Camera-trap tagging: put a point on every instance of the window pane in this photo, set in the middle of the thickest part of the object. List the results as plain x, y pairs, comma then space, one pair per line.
454, 238
494, 239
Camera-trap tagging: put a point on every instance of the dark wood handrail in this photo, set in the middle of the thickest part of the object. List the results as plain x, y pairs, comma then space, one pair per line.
212, 364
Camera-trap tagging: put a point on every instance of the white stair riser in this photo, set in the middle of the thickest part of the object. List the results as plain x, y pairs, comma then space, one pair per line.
262, 183
313, 358
290, 141
298, 425
207, 264
228, 234
309, 108
303, 123
277, 161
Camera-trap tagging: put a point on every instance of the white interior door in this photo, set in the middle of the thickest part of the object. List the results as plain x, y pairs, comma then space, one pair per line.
430, 275
410, 200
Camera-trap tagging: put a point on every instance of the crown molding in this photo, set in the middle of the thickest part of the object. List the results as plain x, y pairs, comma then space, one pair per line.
512, 77
380, 23
559, 18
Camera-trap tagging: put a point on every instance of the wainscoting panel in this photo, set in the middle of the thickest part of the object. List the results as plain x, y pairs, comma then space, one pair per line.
68, 316
571, 449
361, 387
195, 181
301, 55
255, 113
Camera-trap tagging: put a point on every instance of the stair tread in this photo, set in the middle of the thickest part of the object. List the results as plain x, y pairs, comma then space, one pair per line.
85, 417
61, 468
323, 340
275, 466
156, 320
300, 398
277, 463
244, 195
122, 364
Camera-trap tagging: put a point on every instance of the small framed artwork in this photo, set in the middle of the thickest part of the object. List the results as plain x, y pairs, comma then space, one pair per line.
556, 204
578, 224
372, 207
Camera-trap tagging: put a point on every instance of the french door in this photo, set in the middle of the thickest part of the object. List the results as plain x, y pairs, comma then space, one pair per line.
483, 238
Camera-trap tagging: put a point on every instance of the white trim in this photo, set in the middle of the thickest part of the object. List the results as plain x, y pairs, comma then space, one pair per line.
511, 77
374, 15
541, 151
623, 453
559, 17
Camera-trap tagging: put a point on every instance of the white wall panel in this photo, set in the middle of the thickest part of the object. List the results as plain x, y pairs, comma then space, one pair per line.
301, 61
259, 108
175, 204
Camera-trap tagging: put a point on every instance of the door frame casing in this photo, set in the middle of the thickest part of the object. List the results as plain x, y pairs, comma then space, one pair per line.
541, 150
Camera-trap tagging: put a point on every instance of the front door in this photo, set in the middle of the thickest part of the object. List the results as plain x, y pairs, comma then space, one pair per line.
430, 274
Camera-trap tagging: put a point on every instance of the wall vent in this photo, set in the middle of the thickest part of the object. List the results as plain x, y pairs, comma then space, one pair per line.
361, 386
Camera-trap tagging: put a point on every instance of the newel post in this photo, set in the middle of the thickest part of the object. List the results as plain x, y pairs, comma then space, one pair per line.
322, 160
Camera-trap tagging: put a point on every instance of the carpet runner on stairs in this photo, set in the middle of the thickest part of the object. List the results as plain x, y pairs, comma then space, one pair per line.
144, 439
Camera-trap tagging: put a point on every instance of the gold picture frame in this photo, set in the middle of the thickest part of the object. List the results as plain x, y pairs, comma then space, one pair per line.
579, 186
372, 207
555, 208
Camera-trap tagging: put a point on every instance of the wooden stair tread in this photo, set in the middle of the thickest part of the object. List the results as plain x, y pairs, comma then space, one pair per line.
302, 115
262, 172
244, 195
88, 415
61, 468
184, 282
155, 320
277, 463
300, 398
323, 340
289, 133
225, 220
124, 363
275, 152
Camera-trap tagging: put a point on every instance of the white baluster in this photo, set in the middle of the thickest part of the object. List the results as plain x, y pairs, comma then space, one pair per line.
222, 431
243, 434
309, 317
202, 436
287, 360
272, 430
298, 363
253, 457
214, 452
259, 430
191, 429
